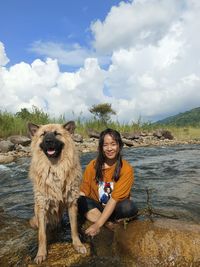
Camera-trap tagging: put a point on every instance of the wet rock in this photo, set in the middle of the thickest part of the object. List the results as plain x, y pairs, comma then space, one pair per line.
4, 159
6, 146
162, 243
61, 255
20, 140
16, 241
18, 246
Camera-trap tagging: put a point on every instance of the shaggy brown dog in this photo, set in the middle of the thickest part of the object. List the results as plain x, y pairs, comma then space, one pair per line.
56, 174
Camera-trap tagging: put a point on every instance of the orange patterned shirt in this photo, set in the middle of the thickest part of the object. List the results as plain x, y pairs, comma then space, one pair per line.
121, 188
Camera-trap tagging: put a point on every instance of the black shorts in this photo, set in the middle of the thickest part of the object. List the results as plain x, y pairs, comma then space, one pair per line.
124, 209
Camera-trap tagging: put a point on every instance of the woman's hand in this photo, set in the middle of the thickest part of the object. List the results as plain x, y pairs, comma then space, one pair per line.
93, 230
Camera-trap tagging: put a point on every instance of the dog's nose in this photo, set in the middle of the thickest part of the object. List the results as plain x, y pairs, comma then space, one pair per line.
49, 138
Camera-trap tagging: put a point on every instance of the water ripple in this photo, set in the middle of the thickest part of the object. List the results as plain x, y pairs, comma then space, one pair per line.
172, 174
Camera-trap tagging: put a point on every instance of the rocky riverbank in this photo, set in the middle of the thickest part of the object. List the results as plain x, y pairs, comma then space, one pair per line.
19, 146
157, 242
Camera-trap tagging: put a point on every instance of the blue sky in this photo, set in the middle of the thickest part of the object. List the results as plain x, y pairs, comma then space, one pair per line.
66, 22
141, 56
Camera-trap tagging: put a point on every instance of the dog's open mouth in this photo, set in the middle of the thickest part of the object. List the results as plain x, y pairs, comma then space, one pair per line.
51, 146
51, 152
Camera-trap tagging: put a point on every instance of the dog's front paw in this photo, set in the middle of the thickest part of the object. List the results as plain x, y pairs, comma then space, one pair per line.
40, 258
80, 248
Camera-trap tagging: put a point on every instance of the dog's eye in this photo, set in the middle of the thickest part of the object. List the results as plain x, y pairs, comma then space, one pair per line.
56, 133
43, 133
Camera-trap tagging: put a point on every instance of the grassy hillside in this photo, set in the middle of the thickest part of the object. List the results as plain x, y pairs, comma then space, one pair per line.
185, 119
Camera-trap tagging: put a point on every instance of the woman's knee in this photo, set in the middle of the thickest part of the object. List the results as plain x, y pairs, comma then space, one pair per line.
126, 209
88, 207
93, 215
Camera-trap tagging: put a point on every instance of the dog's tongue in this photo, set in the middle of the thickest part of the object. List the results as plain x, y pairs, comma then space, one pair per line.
51, 151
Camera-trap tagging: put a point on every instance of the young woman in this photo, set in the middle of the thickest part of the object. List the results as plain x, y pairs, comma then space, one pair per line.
109, 170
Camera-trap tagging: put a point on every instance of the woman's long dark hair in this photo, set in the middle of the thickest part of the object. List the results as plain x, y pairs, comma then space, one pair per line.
101, 158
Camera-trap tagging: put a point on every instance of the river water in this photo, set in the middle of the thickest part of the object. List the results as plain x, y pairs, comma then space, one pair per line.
172, 175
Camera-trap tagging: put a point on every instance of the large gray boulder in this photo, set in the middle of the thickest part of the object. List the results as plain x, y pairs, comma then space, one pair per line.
20, 140
6, 146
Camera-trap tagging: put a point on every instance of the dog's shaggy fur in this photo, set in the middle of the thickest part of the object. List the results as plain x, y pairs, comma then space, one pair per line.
56, 175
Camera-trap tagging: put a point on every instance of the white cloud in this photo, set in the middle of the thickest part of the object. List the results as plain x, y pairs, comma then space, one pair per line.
154, 68
43, 85
70, 55
151, 75
3, 58
73, 55
137, 23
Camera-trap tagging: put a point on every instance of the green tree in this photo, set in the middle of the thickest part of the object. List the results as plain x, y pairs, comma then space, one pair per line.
36, 115
24, 114
103, 112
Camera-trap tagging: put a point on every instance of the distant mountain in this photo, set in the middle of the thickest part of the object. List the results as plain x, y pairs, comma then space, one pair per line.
188, 118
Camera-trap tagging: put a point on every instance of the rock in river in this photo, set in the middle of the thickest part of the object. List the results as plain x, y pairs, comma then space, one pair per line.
162, 243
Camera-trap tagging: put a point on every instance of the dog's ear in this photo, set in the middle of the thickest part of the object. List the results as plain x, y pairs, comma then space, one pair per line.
70, 126
32, 128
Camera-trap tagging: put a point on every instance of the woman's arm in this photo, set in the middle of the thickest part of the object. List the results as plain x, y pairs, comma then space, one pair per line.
108, 210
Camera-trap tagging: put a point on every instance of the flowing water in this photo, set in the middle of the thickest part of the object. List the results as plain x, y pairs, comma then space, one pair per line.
172, 175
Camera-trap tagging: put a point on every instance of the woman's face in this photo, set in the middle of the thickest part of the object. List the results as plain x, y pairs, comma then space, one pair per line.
110, 147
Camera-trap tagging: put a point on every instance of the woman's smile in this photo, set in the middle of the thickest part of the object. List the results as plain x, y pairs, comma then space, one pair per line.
110, 147
110, 154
